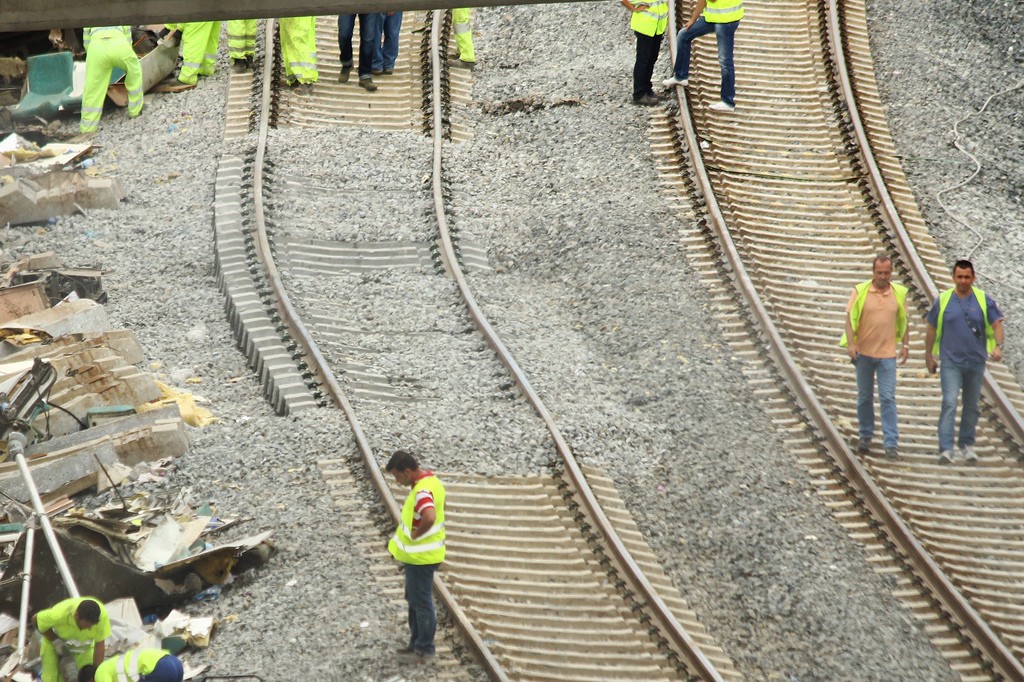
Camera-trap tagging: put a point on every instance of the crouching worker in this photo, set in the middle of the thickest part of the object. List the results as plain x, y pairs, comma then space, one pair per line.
136, 665
72, 629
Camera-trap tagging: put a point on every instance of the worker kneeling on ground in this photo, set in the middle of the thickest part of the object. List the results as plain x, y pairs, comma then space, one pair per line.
107, 47
136, 665
72, 629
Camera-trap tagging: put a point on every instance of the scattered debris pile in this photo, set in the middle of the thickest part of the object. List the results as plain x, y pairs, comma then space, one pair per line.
76, 414
40, 183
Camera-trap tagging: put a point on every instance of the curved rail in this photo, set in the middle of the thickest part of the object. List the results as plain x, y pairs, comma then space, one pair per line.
670, 627
873, 497
316, 359
642, 588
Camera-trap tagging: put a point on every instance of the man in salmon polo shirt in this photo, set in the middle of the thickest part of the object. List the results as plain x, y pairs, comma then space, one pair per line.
876, 333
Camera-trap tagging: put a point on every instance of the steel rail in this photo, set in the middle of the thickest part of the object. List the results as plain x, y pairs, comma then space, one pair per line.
670, 628
860, 479
318, 363
889, 213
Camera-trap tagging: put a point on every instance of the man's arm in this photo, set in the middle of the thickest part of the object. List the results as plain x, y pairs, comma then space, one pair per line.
99, 652
48, 634
851, 342
427, 518
997, 330
929, 341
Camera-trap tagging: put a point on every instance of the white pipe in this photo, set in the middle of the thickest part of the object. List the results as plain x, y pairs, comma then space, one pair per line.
16, 444
26, 579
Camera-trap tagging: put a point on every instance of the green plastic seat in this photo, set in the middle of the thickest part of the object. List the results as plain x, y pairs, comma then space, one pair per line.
50, 83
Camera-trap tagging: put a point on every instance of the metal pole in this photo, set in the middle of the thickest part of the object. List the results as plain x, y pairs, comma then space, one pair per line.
26, 579
16, 444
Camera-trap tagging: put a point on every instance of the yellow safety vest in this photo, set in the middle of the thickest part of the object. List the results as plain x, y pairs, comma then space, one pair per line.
130, 666
429, 547
858, 308
652, 20
723, 11
990, 334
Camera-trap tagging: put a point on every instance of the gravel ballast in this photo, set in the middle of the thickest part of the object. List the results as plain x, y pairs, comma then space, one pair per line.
642, 382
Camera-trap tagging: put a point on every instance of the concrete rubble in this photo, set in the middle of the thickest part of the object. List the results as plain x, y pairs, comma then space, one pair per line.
91, 420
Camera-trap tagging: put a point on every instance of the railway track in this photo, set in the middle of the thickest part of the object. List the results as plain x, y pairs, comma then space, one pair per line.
315, 309
798, 189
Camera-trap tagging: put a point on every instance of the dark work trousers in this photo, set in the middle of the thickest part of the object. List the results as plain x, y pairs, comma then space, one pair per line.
419, 583
647, 48
368, 32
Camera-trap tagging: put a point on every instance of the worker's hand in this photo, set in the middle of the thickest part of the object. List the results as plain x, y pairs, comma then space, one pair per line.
929, 362
997, 354
904, 354
851, 350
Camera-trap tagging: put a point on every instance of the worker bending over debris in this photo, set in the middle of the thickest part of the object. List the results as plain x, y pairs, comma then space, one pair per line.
75, 628
107, 47
136, 665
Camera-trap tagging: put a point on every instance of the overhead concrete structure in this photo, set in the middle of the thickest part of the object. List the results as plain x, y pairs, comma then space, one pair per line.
32, 15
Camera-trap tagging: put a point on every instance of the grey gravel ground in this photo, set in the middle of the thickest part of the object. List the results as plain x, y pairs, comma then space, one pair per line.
643, 384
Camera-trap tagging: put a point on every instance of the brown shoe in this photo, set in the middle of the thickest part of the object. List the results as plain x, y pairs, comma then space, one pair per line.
343, 75
367, 84
646, 101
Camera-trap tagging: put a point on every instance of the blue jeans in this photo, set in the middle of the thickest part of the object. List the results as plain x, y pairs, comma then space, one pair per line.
384, 56
419, 582
885, 369
369, 32
725, 35
954, 376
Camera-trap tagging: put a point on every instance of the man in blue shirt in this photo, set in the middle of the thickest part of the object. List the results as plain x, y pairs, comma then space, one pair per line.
965, 328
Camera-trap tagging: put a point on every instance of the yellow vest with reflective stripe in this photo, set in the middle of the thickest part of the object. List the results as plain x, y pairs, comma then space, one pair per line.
858, 308
429, 547
723, 11
652, 20
990, 334
129, 666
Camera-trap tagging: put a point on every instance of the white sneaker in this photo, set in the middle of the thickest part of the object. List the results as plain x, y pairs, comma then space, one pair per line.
722, 106
673, 81
946, 456
969, 454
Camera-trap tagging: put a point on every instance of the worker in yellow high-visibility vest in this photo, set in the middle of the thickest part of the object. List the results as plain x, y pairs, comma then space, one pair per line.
418, 543
76, 628
107, 47
136, 665
648, 21
965, 330
721, 17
